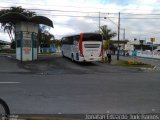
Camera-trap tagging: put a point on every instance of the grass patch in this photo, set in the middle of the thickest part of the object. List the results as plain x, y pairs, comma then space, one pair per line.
133, 64
45, 53
104, 60
12, 51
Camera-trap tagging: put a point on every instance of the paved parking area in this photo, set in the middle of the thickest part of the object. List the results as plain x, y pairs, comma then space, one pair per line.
56, 64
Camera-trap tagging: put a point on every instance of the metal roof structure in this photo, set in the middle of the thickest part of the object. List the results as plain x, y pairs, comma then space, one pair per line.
18, 17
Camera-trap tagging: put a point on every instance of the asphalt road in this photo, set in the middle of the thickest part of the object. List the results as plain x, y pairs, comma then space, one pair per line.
57, 85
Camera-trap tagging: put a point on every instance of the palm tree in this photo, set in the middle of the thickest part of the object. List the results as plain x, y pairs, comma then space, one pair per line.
108, 34
44, 36
10, 26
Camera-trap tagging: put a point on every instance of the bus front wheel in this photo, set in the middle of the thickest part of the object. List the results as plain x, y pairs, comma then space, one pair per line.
62, 54
72, 57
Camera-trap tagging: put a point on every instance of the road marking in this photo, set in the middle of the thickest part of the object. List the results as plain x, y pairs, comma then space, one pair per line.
10, 82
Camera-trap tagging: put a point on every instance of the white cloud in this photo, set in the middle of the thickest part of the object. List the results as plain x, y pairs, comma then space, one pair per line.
147, 2
59, 31
60, 19
4, 36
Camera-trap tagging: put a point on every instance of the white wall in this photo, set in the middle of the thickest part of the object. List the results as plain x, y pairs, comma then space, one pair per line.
129, 47
149, 54
5, 46
18, 53
26, 54
27, 26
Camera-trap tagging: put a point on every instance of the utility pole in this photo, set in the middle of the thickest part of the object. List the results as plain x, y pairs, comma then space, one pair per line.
118, 35
99, 21
124, 40
124, 34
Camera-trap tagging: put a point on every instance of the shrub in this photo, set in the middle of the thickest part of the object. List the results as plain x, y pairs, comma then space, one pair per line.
131, 62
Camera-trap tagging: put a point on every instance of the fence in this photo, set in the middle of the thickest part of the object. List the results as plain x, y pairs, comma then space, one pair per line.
149, 54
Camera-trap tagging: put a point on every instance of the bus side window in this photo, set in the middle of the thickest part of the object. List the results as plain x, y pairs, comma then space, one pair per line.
76, 38
62, 40
69, 40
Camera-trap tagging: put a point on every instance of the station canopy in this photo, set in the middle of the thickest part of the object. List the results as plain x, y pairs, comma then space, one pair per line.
18, 17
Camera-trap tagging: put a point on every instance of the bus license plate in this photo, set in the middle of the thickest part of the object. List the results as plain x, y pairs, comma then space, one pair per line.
91, 59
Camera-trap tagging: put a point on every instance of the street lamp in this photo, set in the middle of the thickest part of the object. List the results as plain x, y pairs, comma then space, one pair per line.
118, 48
118, 35
123, 33
141, 43
123, 38
108, 41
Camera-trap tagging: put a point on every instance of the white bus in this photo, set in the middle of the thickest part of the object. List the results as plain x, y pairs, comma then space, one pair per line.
83, 47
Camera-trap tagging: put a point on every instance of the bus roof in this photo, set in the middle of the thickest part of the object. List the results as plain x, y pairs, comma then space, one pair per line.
80, 33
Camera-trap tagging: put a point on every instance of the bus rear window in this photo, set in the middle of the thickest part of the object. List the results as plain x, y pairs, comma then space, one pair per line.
92, 37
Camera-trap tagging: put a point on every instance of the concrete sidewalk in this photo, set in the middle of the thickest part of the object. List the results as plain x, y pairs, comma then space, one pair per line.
10, 65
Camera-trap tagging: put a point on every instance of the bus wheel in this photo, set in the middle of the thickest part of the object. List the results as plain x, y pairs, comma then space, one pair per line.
62, 54
72, 57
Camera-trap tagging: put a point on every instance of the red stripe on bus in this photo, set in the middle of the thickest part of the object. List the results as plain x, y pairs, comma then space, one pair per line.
80, 44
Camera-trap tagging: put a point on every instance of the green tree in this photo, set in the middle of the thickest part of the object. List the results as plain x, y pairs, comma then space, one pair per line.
44, 36
9, 27
56, 42
13, 45
108, 34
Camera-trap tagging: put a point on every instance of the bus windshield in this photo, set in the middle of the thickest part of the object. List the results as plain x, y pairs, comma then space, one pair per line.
92, 37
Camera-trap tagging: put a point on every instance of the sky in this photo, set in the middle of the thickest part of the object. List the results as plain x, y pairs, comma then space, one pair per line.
138, 18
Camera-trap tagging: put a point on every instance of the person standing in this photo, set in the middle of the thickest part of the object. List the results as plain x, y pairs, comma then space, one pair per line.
109, 57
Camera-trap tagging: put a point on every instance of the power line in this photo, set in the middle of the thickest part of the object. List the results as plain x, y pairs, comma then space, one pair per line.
58, 10
62, 11
140, 18
97, 13
71, 15
58, 5
136, 9
140, 14
112, 21
75, 15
